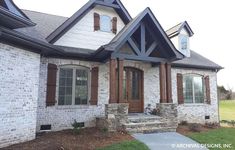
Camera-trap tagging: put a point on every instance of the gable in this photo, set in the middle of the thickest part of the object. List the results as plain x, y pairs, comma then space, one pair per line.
82, 34
76, 17
147, 40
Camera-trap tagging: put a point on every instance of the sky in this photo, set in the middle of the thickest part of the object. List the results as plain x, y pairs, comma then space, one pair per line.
212, 21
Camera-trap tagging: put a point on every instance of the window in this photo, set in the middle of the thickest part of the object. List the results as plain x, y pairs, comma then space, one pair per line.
105, 23
73, 85
193, 88
184, 42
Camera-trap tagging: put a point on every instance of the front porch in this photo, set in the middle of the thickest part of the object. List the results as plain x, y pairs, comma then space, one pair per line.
117, 118
144, 41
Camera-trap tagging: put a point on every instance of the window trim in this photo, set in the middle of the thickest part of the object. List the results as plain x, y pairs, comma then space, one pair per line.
110, 23
74, 67
193, 89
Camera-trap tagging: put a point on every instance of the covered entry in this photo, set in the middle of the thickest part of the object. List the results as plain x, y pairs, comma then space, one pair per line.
143, 39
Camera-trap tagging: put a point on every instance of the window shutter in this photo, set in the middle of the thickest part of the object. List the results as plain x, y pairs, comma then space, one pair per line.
94, 85
51, 84
114, 25
96, 22
207, 86
180, 88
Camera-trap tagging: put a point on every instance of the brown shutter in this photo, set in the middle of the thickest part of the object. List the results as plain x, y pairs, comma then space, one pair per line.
94, 85
207, 86
180, 88
96, 22
51, 84
114, 25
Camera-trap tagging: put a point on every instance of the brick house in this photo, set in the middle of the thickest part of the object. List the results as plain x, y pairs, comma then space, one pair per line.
96, 67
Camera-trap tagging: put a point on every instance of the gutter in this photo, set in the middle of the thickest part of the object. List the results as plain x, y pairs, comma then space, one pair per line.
21, 39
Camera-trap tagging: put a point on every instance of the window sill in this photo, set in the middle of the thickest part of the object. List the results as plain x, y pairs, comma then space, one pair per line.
75, 106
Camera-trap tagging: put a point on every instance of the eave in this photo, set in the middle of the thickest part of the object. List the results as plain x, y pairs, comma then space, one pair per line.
12, 21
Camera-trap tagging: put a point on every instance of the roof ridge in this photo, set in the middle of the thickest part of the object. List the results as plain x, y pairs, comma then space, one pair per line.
175, 26
44, 13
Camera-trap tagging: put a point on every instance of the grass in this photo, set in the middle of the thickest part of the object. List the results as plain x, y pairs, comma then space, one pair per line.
219, 136
128, 145
227, 110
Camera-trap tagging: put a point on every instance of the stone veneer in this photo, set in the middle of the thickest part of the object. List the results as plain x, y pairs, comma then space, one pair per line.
19, 72
115, 116
195, 113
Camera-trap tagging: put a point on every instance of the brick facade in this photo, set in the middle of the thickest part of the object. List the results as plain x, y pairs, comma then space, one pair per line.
19, 72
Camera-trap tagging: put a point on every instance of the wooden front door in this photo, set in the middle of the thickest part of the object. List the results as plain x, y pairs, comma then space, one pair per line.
133, 89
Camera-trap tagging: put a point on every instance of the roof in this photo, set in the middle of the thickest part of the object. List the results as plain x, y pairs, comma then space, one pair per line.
12, 17
46, 24
197, 61
69, 23
34, 37
175, 30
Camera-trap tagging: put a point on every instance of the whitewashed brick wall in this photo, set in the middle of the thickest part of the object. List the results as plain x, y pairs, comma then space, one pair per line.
19, 73
61, 117
195, 113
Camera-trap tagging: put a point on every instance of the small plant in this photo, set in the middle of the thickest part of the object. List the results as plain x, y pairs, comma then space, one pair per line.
184, 123
194, 127
77, 126
104, 130
155, 112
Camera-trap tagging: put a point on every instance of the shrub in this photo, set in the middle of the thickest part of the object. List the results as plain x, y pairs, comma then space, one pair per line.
76, 127
212, 125
194, 127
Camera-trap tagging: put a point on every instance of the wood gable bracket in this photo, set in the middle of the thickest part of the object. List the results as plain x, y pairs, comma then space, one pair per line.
141, 50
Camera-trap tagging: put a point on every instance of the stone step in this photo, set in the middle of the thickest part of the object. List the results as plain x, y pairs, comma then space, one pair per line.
144, 118
151, 130
144, 124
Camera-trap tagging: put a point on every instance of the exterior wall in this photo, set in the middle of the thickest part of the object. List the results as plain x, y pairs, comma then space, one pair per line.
19, 72
195, 113
61, 117
82, 34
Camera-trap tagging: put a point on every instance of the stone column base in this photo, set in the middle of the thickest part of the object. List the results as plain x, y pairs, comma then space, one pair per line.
115, 115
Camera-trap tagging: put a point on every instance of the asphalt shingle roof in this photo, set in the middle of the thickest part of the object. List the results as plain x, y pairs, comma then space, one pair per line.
47, 23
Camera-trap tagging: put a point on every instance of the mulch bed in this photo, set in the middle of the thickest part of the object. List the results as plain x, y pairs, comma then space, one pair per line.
87, 139
185, 129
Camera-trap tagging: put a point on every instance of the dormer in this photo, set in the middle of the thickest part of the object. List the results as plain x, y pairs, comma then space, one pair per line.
180, 36
12, 17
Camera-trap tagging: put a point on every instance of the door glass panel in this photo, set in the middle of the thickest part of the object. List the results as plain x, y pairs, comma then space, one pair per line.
124, 85
134, 78
81, 87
